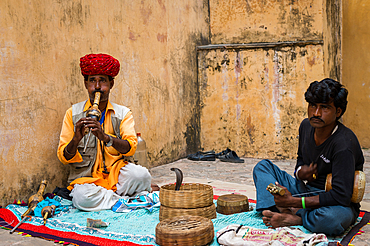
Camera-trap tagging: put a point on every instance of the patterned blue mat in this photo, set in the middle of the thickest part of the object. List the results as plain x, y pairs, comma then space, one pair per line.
137, 226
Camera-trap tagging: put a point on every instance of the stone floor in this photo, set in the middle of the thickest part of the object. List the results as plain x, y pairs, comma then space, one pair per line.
239, 173
230, 174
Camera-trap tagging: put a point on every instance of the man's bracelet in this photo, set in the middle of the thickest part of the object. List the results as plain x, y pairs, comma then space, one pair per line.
68, 152
303, 203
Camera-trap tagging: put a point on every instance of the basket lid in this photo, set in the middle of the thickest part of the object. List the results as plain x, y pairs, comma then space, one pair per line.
184, 225
232, 200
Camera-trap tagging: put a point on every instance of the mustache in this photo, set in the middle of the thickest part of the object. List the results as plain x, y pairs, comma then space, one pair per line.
318, 118
97, 91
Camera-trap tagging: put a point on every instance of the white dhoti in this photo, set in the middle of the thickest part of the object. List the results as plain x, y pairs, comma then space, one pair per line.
132, 179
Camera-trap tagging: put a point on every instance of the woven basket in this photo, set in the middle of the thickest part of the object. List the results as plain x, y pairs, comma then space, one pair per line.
190, 195
232, 203
184, 230
207, 212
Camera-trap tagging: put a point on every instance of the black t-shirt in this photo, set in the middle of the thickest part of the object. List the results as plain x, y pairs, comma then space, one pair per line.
340, 154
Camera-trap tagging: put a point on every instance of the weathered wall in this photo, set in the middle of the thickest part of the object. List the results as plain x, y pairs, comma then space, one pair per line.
41, 42
246, 21
252, 99
252, 78
356, 67
249, 96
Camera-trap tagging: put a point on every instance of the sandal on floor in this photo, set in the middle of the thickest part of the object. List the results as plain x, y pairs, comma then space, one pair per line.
203, 156
224, 152
231, 157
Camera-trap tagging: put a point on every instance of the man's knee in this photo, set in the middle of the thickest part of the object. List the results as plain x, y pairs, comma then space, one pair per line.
140, 173
88, 196
262, 166
334, 229
325, 220
133, 179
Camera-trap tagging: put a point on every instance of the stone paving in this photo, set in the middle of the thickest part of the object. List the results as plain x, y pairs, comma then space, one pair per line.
238, 173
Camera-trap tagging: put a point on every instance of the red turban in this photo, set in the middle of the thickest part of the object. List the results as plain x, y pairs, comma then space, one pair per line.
95, 64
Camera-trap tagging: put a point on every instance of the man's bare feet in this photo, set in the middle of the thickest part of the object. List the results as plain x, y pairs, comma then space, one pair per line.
275, 220
284, 210
290, 210
155, 187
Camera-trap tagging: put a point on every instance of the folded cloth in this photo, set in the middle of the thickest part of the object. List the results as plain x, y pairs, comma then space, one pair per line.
239, 235
48, 202
142, 200
96, 223
62, 192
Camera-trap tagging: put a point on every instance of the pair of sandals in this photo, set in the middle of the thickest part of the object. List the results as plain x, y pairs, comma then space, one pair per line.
203, 156
226, 155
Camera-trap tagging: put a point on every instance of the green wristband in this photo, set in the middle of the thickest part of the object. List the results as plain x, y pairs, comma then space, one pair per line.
303, 203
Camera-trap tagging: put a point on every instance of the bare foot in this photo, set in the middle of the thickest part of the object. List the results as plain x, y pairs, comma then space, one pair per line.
284, 210
155, 187
275, 220
290, 210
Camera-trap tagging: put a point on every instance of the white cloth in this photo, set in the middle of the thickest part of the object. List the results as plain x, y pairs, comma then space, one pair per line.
132, 180
90, 197
282, 236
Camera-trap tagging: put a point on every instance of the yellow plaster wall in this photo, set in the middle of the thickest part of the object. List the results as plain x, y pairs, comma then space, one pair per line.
241, 21
252, 100
356, 67
41, 42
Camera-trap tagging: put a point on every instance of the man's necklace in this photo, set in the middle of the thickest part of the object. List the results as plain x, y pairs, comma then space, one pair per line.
102, 148
335, 129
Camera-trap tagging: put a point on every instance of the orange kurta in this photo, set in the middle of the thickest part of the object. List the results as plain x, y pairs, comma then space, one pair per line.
113, 159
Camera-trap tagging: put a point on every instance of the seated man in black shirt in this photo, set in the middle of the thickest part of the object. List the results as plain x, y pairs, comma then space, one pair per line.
325, 146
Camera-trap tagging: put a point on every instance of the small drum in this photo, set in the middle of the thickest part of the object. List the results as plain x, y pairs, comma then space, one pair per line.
232, 203
358, 186
184, 230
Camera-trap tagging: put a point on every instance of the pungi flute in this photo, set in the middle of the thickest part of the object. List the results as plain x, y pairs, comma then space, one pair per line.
95, 113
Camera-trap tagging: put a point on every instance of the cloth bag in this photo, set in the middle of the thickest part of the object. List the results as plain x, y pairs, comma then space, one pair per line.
239, 235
